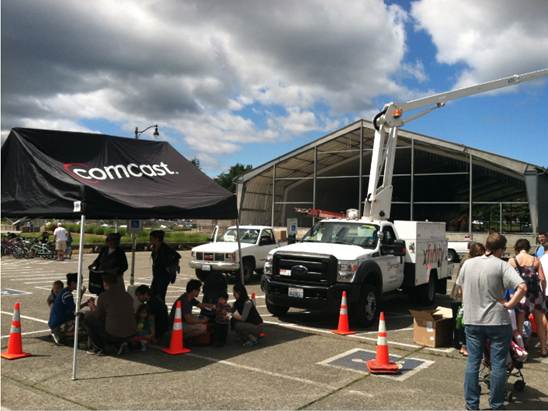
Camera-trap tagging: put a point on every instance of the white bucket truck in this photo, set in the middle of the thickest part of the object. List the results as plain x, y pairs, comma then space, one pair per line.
370, 256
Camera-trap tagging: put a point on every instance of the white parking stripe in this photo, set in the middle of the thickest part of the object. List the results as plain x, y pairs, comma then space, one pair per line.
270, 373
26, 317
355, 336
30, 332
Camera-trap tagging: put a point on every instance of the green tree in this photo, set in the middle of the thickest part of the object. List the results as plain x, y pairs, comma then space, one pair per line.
227, 179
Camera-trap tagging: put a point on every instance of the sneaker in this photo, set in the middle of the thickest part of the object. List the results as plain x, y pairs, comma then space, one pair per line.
92, 350
143, 346
123, 349
56, 338
250, 343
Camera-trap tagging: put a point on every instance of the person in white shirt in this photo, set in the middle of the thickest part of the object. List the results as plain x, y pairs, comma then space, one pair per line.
60, 235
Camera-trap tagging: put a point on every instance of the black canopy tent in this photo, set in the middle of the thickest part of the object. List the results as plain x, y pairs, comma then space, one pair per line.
59, 174
45, 171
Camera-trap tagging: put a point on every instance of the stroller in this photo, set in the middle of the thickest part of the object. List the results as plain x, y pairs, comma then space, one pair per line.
514, 363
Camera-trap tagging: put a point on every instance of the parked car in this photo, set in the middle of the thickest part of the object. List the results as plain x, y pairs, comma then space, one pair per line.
222, 254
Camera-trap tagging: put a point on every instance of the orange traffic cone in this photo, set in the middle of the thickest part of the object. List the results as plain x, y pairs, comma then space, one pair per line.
343, 328
176, 345
382, 364
262, 334
15, 343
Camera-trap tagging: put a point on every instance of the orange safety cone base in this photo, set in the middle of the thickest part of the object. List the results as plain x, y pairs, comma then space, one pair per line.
176, 352
9, 356
375, 367
343, 332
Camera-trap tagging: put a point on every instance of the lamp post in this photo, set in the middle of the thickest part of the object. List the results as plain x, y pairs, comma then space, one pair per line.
138, 132
133, 236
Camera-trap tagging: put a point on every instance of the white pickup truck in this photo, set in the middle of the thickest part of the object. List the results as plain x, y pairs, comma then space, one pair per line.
222, 255
366, 258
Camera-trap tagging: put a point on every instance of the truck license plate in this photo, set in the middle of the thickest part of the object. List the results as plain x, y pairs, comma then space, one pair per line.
295, 292
285, 271
206, 267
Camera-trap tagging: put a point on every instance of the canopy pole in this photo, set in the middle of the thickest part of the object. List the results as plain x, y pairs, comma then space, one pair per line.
78, 294
239, 198
239, 249
133, 247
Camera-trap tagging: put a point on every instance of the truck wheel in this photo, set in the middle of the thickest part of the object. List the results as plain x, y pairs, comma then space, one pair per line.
426, 293
368, 307
276, 310
452, 256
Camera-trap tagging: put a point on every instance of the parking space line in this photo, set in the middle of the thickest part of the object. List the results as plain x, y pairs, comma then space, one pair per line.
391, 331
318, 330
275, 374
28, 333
26, 317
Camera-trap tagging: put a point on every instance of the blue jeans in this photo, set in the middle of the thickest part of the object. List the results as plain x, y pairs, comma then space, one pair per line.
499, 337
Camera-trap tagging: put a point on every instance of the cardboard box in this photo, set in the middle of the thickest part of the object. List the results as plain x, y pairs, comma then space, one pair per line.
433, 327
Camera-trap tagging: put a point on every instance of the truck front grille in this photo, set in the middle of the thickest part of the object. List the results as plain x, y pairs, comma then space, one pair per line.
304, 268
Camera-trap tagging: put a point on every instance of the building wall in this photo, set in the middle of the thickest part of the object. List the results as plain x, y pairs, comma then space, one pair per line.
431, 182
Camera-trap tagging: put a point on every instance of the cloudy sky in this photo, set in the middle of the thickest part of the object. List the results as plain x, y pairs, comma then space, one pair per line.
246, 81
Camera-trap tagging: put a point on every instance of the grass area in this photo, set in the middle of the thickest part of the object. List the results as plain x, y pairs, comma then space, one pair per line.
172, 237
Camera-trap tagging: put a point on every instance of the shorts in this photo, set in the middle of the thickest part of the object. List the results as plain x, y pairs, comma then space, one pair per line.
60, 245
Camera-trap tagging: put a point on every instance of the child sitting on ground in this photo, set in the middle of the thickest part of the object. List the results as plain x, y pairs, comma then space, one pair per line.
145, 327
55, 290
222, 319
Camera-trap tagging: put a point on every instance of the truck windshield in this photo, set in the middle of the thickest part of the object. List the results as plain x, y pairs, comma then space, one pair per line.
363, 235
246, 235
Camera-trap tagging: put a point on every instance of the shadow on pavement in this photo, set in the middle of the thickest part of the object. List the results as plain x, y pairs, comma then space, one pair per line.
199, 357
529, 399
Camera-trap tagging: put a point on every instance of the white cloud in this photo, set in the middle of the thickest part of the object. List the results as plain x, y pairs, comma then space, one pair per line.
415, 70
492, 38
193, 66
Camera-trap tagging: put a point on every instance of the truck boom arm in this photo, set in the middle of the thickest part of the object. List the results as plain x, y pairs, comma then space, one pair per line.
387, 122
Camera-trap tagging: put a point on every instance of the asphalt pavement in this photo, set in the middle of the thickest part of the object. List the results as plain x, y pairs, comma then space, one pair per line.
300, 364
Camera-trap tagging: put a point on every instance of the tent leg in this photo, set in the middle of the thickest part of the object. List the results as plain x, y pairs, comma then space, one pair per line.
239, 249
133, 247
78, 293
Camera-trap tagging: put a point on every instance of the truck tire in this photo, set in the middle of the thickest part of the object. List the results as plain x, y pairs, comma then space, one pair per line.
276, 310
452, 256
367, 310
426, 293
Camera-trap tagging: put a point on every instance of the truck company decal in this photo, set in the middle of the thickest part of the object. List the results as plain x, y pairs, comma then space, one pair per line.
433, 256
84, 173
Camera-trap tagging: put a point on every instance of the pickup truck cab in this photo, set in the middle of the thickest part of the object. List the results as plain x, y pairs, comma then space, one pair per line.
222, 255
366, 258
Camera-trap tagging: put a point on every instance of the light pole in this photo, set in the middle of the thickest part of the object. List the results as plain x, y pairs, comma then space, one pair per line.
138, 132
133, 236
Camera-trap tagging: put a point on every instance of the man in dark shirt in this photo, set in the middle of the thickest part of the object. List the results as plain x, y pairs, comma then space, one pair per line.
193, 325
156, 307
165, 264
111, 260
113, 321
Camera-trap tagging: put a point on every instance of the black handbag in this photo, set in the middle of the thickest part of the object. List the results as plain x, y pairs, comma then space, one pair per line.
95, 283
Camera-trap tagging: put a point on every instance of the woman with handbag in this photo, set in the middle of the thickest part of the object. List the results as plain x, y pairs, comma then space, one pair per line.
531, 271
111, 260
